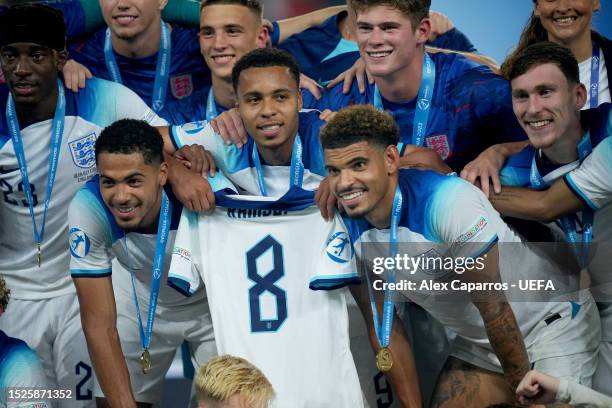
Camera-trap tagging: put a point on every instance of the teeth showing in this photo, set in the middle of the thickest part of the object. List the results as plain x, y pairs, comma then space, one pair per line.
125, 19
539, 124
379, 54
350, 196
223, 59
565, 20
125, 210
270, 127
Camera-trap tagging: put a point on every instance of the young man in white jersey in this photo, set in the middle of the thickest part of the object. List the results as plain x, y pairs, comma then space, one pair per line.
547, 99
122, 214
265, 82
411, 206
47, 131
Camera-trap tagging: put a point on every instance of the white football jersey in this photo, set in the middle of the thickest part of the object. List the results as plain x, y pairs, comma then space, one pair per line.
262, 265
441, 211
87, 113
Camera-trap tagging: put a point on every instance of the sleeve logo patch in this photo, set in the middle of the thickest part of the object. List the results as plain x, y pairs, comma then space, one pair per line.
474, 230
79, 243
182, 252
339, 247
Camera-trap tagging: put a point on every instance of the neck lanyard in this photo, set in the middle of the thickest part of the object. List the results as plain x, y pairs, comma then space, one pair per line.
211, 107
423, 104
296, 176
162, 71
594, 89
163, 230
54, 157
383, 328
568, 223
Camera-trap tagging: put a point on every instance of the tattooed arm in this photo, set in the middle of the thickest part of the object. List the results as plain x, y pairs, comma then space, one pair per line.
545, 206
501, 326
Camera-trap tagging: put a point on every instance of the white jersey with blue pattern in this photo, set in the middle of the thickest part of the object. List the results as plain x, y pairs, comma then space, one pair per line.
238, 165
87, 113
447, 210
262, 292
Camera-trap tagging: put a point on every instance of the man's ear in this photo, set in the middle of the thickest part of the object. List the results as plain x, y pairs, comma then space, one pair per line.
162, 4
581, 96
62, 57
163, 173
392, 158
263, 36
423, 31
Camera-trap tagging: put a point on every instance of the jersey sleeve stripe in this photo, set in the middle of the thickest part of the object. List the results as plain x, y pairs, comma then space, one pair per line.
578, 193
487, 247
174, 137
90, 273
333, 282
179, 284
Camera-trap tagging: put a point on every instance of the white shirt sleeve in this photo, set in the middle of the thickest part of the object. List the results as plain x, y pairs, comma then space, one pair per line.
460, 215
228, 158
334, 265
577, 394
592, 181
90, 237
184, 275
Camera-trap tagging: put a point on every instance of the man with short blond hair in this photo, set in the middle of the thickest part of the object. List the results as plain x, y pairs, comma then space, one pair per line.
232, 382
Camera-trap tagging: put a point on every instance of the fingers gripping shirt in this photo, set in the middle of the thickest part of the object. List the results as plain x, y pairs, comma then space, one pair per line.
87, 113
260, 292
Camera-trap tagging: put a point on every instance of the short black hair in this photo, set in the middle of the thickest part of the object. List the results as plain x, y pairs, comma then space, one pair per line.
34, 23
263, 58
544, 52
360, 123
253, 5
127, 136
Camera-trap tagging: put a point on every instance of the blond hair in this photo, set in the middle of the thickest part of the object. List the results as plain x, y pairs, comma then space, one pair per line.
225, 376
4, 294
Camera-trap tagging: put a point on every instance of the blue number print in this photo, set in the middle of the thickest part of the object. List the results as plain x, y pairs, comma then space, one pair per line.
7, 191
80, 393
266, 283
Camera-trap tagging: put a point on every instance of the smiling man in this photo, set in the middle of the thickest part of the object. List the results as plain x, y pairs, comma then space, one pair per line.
122, 214
442, 101
495, 342
47, 135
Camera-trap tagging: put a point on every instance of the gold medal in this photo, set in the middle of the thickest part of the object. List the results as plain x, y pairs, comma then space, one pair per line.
145, 361
384, 359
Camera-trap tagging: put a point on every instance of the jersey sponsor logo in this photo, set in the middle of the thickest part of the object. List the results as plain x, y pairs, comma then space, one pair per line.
439, 143
474, 230
193, 127
181, 86
79, 243
182, 252
339, 247
83, 151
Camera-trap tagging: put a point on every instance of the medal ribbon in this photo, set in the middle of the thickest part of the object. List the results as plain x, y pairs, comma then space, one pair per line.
211, 107
162, 71
423, 104
296, 176
54, 155
163, 230
383, 328
568, 223
594, 89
